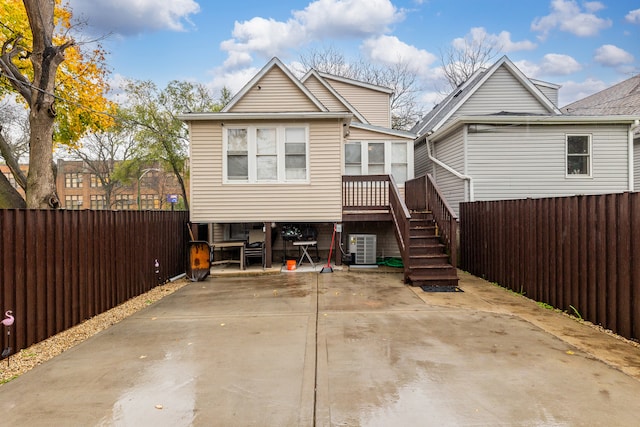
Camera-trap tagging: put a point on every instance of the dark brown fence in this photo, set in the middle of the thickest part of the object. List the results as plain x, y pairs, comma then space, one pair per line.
59, 268
580, 254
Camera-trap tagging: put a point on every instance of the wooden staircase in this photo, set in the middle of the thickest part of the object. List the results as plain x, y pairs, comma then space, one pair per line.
428, 261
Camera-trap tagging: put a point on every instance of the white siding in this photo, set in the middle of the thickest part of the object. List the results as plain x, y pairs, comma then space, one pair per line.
501, 92
530, 161
375, 106
421, 158
550, 93
320, 200
275, 92
451, 152
636, 165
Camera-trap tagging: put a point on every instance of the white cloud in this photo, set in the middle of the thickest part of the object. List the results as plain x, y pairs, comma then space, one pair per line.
502, 41
552, 64
612, 56
347, 18
127, 17
572, 91
567, 16
559, 65
320, 20
593, 6
390, 50
233, 80
633, 17
266, 37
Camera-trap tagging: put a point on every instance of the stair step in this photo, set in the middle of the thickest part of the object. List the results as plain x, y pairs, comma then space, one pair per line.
428, 259
427, 249
423, 240
434, 269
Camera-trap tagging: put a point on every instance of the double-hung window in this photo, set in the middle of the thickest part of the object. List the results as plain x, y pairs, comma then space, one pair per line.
578, 155
237, 154
378, 158
266, 154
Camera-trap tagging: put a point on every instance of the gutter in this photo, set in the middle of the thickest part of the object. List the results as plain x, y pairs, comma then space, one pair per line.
450, 169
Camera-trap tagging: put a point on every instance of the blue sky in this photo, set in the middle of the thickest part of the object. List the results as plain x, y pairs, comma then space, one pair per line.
585, 46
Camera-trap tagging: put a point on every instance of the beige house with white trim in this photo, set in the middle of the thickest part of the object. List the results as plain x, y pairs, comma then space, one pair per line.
276, 155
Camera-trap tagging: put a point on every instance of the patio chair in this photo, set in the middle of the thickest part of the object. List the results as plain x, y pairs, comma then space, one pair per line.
254, 247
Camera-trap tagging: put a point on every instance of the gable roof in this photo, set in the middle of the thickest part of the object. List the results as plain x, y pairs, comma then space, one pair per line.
622, 98
383, 130
356, 83
275, 62
330, 88
437, 117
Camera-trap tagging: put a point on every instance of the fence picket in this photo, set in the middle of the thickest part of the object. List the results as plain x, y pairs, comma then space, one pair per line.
59, 268
580, 252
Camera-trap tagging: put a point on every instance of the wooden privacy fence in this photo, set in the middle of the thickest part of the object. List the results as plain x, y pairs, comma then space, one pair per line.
59, 268
580, 254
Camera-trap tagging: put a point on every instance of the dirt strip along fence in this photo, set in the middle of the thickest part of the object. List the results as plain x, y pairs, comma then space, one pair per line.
578, 254
59, 268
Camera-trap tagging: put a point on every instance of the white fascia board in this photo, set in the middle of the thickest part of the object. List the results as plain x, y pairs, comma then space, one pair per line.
356, 83
386, 131
275, 62
312, 115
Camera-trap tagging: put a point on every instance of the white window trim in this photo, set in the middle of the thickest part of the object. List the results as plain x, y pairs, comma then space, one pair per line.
364, 157
589, 157
252, 154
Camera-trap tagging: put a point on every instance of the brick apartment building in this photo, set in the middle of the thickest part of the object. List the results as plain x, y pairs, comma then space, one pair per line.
79, 187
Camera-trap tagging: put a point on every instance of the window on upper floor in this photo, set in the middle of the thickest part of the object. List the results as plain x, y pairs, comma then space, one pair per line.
73, 180
266, 154
377, 158
578, 155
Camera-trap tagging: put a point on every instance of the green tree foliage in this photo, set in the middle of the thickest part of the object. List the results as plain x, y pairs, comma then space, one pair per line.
160, 136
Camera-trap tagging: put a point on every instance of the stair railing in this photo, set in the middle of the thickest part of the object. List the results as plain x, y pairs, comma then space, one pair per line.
423, 193
401, 219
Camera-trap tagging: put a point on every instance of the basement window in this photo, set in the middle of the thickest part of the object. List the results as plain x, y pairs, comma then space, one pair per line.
578, 155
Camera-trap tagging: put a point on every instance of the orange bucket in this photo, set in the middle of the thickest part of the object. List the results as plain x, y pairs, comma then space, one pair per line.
291, 264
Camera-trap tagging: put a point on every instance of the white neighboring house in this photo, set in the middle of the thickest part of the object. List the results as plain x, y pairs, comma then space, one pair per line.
620, 99
500, 135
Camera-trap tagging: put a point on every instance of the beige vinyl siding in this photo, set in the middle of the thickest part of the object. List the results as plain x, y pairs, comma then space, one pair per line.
501, 92
275, 92
375, 106
519, 162
386, 242
319, 200
328, 99
636, 165
451, 152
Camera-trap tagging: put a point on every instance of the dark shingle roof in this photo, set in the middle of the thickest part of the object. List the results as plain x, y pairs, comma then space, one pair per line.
620, 99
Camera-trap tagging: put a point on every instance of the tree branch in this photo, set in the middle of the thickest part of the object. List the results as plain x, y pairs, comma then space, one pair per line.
12, 162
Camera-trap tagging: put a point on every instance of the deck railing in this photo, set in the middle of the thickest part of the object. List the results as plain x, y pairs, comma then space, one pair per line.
369, 193
365, 192
422, 193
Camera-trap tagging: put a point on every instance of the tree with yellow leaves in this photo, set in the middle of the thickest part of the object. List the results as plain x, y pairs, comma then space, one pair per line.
62, 83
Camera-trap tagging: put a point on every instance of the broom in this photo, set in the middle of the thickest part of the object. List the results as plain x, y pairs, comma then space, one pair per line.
327, 268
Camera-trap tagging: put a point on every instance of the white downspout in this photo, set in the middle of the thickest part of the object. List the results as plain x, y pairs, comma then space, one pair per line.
451, 170
632, 129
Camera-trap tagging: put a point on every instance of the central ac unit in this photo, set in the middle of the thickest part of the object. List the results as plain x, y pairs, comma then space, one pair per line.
362, 248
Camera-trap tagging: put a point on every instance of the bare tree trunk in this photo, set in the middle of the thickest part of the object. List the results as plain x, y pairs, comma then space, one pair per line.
41, 184
45, 58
